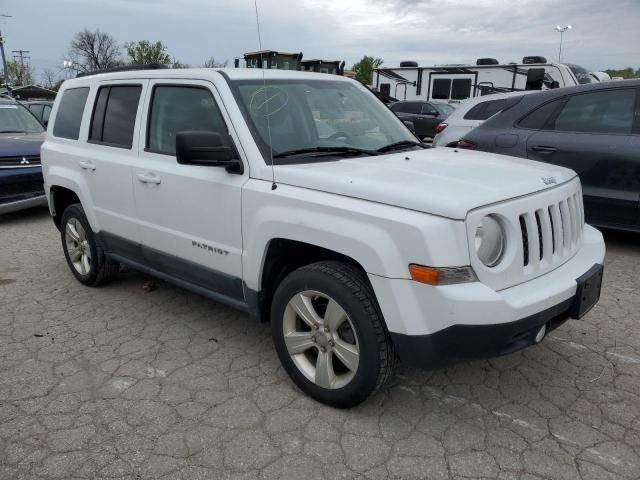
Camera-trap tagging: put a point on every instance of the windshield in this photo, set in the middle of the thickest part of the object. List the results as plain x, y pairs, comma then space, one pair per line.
15, 118
301, 114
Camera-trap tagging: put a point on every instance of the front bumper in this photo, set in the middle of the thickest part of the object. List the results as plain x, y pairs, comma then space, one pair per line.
21, 188
415, 312
36, 200
460, 342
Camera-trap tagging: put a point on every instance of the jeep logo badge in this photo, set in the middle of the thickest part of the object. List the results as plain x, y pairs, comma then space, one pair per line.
24, 161
549, 180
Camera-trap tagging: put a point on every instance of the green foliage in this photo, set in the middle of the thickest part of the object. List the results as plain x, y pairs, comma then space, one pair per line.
624, 72
145, 52
17, 74
364, 69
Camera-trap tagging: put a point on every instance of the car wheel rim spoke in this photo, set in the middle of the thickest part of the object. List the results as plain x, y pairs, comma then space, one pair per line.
298, 342
72, 231
302, 305
85, 264
325, 375
334, 315
348, 354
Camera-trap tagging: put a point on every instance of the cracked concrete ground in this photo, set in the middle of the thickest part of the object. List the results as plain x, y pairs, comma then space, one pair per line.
115, 382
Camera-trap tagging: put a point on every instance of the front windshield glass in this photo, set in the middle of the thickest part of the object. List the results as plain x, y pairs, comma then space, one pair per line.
298, 114
15, 118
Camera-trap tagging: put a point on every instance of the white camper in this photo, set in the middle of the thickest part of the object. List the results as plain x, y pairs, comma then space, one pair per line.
454, 83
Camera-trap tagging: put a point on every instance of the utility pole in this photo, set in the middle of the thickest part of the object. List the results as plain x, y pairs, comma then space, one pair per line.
4, 61
20, 54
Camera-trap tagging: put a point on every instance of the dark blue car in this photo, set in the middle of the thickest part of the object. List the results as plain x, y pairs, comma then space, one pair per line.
21, 135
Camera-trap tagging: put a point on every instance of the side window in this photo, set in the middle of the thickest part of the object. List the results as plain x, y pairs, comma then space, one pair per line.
461, 88
609, 111
486, 110
441, 88
69, 116
114, 115
426, 108
36, 109
406, 107
178, 109
539, 118
46, 114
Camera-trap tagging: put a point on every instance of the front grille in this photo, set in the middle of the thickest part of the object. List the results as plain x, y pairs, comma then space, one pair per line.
20, 161
552, 231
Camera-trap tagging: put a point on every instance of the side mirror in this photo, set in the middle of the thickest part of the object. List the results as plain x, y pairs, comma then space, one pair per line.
45, 123
207, 149
410, 126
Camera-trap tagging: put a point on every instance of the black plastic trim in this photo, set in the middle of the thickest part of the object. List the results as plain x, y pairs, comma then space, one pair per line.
460, 342
205, 281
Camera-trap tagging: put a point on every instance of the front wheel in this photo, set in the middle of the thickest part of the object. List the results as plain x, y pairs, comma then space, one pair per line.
330, 335
85, 257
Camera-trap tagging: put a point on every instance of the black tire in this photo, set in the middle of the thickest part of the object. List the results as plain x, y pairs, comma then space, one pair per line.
101, 269
350, 288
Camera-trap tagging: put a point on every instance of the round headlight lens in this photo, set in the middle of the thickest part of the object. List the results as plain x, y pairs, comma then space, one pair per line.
489, 241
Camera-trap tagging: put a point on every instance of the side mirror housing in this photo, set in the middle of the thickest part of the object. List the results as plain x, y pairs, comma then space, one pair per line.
207, 149
45, 123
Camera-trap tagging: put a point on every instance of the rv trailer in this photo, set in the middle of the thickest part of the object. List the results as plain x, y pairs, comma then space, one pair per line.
454, 83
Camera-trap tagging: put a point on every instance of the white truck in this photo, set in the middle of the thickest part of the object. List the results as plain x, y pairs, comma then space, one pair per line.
302, 200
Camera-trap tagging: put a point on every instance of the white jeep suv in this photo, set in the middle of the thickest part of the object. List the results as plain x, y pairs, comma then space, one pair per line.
302, 200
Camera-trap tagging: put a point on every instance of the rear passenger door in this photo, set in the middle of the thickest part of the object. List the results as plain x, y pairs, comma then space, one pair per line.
189, 216
594, 134
106, 166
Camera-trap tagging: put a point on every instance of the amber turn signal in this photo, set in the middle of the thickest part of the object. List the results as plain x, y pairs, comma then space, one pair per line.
441, 276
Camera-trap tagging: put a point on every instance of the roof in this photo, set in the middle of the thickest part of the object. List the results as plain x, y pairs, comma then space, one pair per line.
270, 52
204, 73
30, 91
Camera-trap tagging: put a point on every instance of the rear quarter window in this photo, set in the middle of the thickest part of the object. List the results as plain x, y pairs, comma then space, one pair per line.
69, 116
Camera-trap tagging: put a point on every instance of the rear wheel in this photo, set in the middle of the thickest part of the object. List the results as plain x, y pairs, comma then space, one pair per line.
84, 256
330, 335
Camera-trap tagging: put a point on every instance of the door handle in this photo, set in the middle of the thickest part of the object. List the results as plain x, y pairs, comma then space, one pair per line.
148, 178
544, 149
85, 165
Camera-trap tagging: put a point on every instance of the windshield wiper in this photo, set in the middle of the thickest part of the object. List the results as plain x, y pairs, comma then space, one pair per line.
400, 145
12, 131
327, 150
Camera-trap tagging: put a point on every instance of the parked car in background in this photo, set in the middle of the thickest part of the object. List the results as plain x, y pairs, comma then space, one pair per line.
593, 129
41, 109
472, 113
425, 116
21, 135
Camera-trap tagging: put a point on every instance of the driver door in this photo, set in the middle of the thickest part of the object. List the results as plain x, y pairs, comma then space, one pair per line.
189, 216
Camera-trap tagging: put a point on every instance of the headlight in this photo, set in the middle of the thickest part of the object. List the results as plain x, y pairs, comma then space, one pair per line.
489, 241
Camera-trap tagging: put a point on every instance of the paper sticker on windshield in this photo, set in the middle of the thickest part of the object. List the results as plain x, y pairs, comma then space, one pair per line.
268, 100
9, 106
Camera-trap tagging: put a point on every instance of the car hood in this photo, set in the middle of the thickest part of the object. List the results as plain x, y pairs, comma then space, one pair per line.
17, 144
440, 181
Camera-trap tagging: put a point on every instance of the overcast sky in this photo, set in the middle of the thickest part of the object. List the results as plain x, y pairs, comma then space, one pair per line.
605, 32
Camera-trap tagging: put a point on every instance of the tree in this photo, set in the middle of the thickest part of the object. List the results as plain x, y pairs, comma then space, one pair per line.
145, 52
50, 79
175, 63
90, 51
18, 75
364, 69
624, 73
212, 63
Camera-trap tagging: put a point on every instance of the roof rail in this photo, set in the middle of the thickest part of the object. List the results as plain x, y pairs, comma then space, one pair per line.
126, 68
